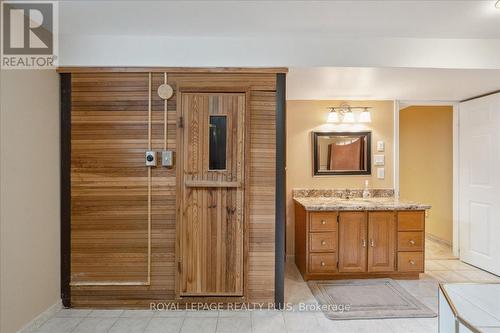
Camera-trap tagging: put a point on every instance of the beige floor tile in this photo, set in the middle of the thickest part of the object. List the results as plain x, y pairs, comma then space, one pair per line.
234, 325
199, 325
164, 325
455, 265
406, 325
105, 313
268, 322
169, 313
94, 325
137, 313
74, 313
300, 322
130, 325
59, 325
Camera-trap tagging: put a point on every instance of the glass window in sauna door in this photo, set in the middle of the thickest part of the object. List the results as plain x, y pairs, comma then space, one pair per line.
217, 143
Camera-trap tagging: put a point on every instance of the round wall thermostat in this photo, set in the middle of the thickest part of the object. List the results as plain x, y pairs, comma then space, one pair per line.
165, 91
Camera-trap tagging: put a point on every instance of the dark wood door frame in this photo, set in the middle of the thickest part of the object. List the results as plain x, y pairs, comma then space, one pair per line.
279, 274
65, 187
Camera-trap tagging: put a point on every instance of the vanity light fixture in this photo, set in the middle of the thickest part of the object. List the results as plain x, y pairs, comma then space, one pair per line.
497, 4
365, 116
333, 116
349, 116
344, 114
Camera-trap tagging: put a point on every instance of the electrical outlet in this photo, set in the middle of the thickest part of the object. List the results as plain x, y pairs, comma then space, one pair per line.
167, 158
380, 173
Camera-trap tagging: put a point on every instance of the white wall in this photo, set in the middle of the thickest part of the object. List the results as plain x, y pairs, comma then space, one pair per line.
29, 197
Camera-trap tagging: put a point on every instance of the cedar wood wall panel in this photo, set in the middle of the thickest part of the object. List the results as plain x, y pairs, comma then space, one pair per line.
109, 178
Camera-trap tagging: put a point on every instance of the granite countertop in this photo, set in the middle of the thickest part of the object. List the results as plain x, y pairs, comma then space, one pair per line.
334, 203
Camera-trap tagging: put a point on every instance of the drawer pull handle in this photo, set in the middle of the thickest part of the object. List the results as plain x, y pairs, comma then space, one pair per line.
323, 263
412, 242
372, 243
323, 222
412, 262
364, 242
323, 242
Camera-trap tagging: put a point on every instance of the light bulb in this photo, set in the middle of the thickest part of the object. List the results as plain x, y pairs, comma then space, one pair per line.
333, 117
348, 117
365, 116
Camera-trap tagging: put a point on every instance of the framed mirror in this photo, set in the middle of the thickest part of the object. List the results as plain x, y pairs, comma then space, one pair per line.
341, 153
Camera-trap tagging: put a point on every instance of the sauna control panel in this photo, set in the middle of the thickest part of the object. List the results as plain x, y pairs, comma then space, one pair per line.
150, 158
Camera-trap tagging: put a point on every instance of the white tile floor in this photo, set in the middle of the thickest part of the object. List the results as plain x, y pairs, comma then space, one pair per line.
440, 265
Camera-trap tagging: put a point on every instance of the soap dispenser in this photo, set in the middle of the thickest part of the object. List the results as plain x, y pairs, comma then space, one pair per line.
366, 191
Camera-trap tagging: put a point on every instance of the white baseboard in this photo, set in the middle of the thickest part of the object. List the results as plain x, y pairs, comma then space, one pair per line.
38, 321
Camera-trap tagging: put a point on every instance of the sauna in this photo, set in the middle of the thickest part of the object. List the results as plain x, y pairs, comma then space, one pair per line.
172, 186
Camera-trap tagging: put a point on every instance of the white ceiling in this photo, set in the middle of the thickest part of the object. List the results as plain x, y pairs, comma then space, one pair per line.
354, 33
323, 83
359, 18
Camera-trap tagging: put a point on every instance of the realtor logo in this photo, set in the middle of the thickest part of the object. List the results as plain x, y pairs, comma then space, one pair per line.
29, 35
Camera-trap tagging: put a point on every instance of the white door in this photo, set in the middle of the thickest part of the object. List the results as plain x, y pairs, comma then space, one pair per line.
480, 183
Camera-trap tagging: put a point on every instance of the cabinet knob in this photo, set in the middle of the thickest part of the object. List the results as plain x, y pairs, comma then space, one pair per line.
412, 262
323, 263
372, 243
364, 242
412, 242
323, 222
323, 242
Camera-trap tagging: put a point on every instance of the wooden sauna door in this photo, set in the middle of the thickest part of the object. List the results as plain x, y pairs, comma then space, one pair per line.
212, 186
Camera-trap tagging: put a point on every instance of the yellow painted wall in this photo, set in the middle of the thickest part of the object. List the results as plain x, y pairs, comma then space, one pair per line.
303, 117
426, 163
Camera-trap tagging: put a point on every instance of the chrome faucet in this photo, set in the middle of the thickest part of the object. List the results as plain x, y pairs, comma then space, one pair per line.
347, 194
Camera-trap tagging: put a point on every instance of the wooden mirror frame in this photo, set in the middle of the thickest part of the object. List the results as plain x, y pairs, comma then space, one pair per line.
368, 170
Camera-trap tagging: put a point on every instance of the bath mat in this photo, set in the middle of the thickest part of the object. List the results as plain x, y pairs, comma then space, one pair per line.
367, 299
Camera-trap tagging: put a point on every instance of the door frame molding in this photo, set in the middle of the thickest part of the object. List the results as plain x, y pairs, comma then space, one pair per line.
401, 104
180, 187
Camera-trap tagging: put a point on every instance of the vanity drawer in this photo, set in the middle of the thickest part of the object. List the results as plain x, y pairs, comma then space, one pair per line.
323, 221
411, 221
323, 242
410, 241
410, 261
323, 262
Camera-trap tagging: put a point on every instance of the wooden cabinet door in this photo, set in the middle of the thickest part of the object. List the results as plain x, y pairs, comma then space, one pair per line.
212, 208
382, 241
352, 242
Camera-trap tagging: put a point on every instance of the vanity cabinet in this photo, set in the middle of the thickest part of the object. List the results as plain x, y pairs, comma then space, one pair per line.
352, 242
381, 241
359, 244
